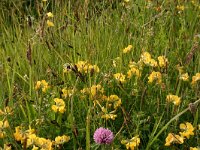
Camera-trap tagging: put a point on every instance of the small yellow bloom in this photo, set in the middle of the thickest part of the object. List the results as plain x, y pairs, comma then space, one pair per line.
187, 128
61, 139
195, 78
127, 49
184, 77
180, 7
162, 61
50, 23
173, 98
59, 107
146, 57
7, 147
155, 76
120, 77
67, 92
50, 15
194, 148
132, 143
42, 84
173, 138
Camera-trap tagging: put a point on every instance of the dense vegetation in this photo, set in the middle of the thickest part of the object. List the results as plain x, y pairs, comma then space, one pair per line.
128, 70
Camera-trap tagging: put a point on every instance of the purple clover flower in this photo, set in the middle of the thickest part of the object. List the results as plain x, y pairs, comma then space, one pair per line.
103, 136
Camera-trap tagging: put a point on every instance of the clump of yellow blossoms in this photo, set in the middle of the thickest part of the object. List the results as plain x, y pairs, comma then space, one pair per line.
155, 76
94, 90
36, 142
173, 98
7, 111
195, 78
3, 126
147, 60
127, 49
120, 77
43, 85
21, 134
115, 100
61, 139
173, 138
134, 70
50, 23
131, 143
67, 92
184, 77
59, 107
162, 61
187, 128
85, 67
180, 7
50, 15
194, 148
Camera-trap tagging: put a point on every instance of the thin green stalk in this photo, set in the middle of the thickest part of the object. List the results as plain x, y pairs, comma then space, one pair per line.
165, 127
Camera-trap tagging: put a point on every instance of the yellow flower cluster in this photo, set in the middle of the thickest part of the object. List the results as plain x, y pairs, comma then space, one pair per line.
120, 77
3, 125
134, 70
127, 49
131, 143
147, 60
94, 90
173, 98
188, 130
195, 78
155, 76
50, 23
173, 138
59, 106
67, 92
7, 111
112, 102
184, 77
85, 67
43, 85
162, 61
32, 140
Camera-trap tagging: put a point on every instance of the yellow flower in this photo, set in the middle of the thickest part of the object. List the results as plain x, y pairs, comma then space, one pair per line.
21, 134
173, 138
61, 139
42, 84
7, 111
50, 23
162, 61
109, 116
119, 77
180, 7
60, 105
115, 100
194, 148
50, 15
31, 139
44, 144
153, 63
184, 77
132, 143
67, 92
3, 125
127, 49
195, 78
7, 147
187, 128
173, 98
146, 57
155, 76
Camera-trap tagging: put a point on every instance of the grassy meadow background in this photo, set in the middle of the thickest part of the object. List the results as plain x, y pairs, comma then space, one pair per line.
99, 59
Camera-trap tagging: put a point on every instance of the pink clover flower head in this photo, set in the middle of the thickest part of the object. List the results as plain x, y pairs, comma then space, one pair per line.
103, 136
